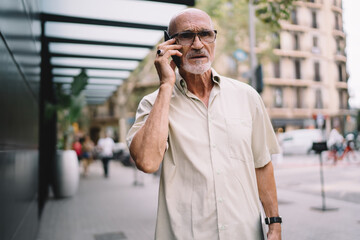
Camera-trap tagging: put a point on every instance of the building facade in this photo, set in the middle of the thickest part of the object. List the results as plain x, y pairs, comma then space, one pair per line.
307, 85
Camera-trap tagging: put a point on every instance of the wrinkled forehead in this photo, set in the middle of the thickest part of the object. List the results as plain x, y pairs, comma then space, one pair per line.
190, 20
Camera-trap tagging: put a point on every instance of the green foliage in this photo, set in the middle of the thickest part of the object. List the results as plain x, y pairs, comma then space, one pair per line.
231, 19
271, 12
68, 106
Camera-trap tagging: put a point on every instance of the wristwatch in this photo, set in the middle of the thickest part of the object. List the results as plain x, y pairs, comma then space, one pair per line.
270, 220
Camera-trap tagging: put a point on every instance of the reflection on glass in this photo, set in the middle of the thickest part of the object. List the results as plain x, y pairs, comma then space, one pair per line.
88, 62
100, 51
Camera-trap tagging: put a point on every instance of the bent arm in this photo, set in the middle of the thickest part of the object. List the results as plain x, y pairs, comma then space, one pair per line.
149, 143
268, 196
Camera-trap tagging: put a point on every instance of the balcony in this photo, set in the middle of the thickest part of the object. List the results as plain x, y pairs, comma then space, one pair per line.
290, 113
336, 9
338, 33
339, 57
317, 4
341, 85
293, 27
288, 82
291, 53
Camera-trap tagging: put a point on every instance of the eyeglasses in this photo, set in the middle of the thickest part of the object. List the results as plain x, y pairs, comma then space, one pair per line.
187, 38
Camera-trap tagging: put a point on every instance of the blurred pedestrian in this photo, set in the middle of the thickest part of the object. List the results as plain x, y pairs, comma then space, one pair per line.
336, 140
106, 146
76, 146
213, 137
87, 155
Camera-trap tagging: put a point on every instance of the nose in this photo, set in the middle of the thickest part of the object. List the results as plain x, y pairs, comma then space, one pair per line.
197, 43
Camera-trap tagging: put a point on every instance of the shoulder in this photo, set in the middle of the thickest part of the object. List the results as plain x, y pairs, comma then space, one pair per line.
150, 98
237, 88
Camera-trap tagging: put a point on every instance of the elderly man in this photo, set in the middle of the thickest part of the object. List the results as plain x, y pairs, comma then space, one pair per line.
214, 139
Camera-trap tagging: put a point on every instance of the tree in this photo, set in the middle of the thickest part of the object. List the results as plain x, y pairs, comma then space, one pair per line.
68, 107
231, 19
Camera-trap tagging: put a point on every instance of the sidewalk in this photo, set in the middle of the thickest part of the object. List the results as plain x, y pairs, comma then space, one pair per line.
103, 207
115, 209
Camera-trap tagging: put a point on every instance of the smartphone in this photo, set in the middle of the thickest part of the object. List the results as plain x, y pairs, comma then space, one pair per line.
174, 57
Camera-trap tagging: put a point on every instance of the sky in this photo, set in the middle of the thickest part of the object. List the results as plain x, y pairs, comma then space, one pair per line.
351, 18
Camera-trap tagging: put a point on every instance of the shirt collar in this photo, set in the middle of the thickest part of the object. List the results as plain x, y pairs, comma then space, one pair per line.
182, 86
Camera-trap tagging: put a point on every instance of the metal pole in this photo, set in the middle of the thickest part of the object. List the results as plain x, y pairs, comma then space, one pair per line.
322, 184
252, 39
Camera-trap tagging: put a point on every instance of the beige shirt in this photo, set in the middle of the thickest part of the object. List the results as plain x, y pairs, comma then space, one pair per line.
208, 187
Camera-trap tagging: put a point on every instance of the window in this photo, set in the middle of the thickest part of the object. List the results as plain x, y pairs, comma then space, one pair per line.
315, 41
318, 99
298, 93
314, 19
315, 49
337, 45
276, 39
337, 23
317, 71
278, 100
111, 107
340, 72
343, 99
277, 69
297, 69
296, 42
294, 16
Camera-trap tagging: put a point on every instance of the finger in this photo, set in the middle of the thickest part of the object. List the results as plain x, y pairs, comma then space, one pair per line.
162, 49
168, 42
169, 53
172, 53
172, 65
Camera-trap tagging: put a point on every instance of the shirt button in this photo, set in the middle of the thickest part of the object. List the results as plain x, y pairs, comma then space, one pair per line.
213, 146
222, 227
221, 200
218, 172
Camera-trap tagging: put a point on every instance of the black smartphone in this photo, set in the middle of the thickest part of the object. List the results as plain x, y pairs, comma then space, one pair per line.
174, 57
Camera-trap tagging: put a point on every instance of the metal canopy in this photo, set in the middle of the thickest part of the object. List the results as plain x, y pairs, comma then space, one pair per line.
106, 38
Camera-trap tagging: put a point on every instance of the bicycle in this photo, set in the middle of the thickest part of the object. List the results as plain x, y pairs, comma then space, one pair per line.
345, 151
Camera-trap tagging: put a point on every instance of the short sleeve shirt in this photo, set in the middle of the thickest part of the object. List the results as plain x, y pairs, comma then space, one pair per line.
208, 187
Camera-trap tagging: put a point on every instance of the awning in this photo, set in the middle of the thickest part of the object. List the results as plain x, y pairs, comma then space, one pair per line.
106, 38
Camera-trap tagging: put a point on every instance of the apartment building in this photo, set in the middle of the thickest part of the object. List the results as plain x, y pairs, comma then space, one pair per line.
308, 81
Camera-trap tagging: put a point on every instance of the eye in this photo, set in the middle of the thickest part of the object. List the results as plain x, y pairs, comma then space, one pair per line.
205, 34
186, 35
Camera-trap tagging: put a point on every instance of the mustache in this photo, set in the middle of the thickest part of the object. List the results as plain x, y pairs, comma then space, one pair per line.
194, 53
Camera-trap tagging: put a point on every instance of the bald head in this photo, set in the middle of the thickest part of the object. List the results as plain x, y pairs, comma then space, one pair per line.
192, 17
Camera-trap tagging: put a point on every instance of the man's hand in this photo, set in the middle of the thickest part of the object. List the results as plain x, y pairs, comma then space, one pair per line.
274, 231
164, 68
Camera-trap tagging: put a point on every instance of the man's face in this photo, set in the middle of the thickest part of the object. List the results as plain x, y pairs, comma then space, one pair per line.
198, 54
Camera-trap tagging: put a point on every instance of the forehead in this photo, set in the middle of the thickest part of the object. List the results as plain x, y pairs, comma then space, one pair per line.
191, 21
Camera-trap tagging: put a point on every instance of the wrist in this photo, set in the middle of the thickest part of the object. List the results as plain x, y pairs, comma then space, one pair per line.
273, 220
166, 85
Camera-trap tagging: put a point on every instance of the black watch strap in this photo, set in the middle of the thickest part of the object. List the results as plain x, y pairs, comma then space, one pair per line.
270, 220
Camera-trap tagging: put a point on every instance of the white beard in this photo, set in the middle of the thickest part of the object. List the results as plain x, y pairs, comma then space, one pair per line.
197, 68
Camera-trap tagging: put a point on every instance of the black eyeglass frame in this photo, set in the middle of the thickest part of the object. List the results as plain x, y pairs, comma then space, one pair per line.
196, 34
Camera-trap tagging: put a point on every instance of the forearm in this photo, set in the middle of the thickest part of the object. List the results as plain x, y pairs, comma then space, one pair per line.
149, 143
268, 196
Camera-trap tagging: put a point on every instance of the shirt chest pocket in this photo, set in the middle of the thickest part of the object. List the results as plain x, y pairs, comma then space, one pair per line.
239, 137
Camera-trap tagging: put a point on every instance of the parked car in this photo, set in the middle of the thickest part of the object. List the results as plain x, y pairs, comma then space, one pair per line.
300, 141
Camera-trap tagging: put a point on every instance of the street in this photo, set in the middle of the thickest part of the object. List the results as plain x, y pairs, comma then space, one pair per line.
299, 191
115, 208
302, 174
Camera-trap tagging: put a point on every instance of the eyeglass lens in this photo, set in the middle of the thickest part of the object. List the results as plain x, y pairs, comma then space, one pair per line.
187, 38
